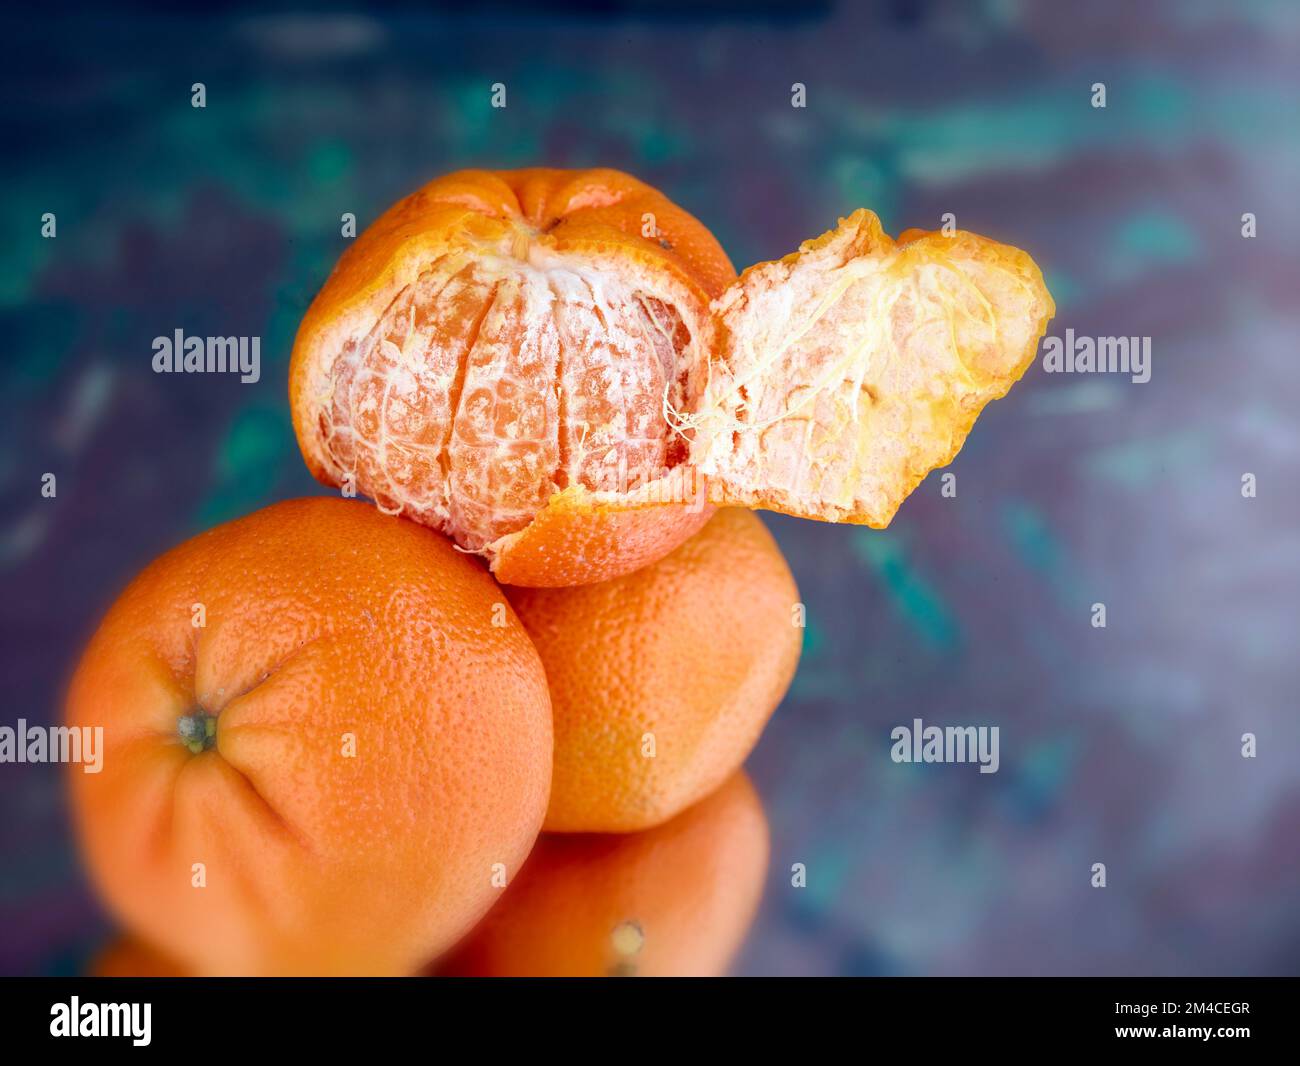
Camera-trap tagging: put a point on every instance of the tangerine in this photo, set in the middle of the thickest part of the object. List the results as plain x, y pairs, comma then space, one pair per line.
317, 745
501, 344
557, 369
662, 680
676, 900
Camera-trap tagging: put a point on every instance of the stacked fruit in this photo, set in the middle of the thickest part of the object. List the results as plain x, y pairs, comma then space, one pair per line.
333, 735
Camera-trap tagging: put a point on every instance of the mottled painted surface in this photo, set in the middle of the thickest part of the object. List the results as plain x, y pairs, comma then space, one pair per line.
1119, 745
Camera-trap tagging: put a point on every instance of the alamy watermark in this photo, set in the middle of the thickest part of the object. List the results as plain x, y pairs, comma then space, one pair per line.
74, 1018
954, 743
56, 743
1098, 355
179, 354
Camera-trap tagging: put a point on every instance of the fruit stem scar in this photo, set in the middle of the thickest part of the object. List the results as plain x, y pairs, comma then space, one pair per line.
197, 731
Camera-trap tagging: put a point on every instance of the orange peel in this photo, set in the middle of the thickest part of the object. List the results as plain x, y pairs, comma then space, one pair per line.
850, 369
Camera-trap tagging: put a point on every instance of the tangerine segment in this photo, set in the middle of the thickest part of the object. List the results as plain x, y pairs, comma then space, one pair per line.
497, 339
672, 901
487, 387
851, 368
318, 742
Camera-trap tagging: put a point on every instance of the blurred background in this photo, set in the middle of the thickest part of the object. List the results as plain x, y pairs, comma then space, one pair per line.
1119, 745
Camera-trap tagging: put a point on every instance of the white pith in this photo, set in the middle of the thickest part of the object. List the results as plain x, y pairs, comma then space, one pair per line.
825, 385
847, 375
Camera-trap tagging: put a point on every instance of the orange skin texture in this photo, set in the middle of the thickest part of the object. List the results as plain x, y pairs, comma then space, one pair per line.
589, 217
572, 542
324, 619
697, 649
675, 901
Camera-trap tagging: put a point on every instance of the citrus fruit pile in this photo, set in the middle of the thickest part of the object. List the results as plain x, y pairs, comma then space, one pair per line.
494, 723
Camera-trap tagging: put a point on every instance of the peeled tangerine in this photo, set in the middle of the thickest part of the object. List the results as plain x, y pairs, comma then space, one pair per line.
560, 370
320, 748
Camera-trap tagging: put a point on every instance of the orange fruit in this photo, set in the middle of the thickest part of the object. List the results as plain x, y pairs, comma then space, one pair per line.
662, 680
322, 730
677, 900
500, 344
557, 369
128, 957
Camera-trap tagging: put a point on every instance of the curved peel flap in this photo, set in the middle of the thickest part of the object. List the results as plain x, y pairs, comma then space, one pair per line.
850, 369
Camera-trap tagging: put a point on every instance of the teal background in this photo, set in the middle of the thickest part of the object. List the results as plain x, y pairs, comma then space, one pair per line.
1119, 745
